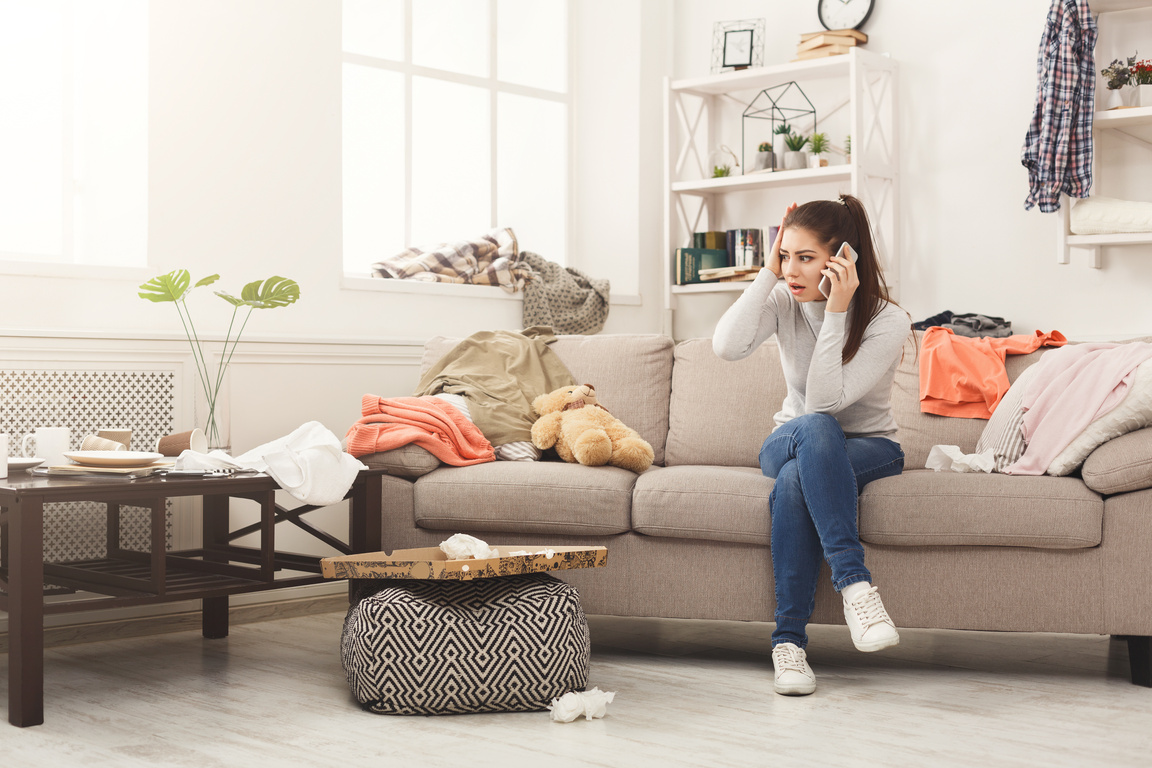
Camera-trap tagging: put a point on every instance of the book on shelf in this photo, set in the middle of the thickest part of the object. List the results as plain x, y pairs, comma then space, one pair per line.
691, 261
828, 39
855, 34
821, 52
727, 274
745, 248
708, 240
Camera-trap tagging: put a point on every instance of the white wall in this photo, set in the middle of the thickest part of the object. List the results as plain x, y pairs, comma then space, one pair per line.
967, 88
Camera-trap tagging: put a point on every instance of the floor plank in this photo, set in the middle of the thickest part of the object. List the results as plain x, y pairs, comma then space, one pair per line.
687, 693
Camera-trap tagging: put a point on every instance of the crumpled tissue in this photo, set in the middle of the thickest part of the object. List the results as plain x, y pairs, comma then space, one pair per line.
548, 553
949, 457
593, 703
461, 546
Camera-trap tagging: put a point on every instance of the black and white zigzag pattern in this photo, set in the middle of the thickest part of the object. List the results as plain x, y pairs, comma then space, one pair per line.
505, 644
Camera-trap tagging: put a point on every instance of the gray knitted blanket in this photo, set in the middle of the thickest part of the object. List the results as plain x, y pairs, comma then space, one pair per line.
564, 298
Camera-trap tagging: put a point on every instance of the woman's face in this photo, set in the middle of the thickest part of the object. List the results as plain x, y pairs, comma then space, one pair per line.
802, 257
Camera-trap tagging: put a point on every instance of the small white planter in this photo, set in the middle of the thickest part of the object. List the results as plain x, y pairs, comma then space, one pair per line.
1143, 96
817, 161
1114, 99
763, 161
795, 161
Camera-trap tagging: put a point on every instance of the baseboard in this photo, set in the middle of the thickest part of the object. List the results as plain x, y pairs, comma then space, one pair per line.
184, 621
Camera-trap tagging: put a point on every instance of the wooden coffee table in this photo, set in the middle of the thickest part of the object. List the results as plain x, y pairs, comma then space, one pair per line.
123, 578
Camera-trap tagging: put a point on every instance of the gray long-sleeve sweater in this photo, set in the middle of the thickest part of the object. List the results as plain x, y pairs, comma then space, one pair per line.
811, 340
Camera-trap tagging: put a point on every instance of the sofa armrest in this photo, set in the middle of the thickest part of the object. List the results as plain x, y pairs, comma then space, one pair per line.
1120, 465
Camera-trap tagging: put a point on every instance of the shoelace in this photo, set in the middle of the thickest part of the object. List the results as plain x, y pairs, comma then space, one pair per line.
789, 659
869, 609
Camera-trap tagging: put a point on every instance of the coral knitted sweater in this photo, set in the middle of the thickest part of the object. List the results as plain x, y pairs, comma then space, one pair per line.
429, 422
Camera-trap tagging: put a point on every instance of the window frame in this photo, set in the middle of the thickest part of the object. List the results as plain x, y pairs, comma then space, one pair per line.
494, 87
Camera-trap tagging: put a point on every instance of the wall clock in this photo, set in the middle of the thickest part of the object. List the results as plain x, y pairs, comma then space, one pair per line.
844, 14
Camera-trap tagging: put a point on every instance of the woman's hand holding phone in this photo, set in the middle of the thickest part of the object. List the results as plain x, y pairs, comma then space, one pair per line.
773, 262
840, 279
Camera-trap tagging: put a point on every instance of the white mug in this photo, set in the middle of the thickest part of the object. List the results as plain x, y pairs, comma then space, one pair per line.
51, 443
3, 456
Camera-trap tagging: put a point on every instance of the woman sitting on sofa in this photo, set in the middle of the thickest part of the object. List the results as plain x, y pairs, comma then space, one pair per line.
840, 341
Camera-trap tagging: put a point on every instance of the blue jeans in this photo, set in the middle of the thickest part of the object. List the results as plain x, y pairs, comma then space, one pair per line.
819, 474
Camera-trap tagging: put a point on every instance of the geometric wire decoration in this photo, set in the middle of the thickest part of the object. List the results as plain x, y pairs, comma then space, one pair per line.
718, 30
781, 103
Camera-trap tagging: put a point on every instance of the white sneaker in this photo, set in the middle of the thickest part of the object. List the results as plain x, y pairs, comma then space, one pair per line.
869, 623
793, 675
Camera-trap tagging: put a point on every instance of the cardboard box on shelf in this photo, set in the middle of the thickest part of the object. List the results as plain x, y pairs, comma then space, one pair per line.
432, 563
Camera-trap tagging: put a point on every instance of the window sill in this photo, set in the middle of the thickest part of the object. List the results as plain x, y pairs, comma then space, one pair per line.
455, 290
75, 271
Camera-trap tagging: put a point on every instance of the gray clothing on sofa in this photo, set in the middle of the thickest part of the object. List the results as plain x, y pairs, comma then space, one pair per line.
811, 341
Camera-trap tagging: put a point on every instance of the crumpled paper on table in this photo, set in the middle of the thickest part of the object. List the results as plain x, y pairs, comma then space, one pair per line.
461, 546
591, 704
949, 458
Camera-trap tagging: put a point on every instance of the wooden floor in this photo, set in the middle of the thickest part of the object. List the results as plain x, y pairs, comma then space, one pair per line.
688, 693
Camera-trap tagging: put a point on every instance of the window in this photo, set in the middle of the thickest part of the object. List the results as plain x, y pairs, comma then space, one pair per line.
455, 121
74, 131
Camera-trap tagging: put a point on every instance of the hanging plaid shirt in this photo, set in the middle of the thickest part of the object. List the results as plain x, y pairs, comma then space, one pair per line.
1058, 147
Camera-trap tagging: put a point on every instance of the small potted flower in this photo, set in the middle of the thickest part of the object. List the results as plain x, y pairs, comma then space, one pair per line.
1116, 76
818, 144
795, 158
1141, 73
764, 157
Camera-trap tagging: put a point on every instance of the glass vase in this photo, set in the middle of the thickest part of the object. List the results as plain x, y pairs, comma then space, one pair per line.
214, 417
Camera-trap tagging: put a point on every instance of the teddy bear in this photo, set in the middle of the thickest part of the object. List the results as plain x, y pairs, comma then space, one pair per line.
583, 431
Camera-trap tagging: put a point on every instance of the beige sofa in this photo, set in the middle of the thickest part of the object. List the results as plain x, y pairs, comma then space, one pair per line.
690, 537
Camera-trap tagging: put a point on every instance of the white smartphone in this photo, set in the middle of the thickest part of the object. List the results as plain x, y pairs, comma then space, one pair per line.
825, 285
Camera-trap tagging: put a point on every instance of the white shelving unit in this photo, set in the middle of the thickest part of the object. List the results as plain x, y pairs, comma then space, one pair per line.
692, 118
1131, 125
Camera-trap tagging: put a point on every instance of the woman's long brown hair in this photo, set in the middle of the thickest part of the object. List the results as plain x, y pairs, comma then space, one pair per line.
834, 222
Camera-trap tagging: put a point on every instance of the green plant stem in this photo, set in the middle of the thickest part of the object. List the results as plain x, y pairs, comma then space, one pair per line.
197, 352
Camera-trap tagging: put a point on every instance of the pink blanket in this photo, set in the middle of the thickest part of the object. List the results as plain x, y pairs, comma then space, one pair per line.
1072, 387
433, 424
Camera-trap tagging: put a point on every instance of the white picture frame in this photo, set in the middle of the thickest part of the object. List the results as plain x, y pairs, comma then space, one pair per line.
737, 44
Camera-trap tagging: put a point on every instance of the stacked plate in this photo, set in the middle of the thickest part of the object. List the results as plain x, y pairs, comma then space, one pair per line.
114, 458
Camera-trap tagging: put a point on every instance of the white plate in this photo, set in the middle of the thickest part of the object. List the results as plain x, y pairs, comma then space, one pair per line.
114, 458
23, 463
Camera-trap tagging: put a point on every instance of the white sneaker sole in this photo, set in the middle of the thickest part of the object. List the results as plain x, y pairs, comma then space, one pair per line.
877, 645
795, 689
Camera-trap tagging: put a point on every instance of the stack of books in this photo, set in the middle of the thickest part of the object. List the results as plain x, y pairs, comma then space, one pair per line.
729, 274
690, 262
814, 45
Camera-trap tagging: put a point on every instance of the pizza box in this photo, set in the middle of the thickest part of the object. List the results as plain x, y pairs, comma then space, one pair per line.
432, 563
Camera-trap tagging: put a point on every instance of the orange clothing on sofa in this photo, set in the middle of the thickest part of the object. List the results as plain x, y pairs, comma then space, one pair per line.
431, 423
964, 376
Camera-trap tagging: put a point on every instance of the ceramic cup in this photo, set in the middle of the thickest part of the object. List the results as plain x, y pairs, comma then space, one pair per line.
120, 435
51, 443
174, 445
95, 443
3, 456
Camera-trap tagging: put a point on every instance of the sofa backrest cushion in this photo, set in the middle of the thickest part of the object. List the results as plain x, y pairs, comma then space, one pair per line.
721, 411
632, 374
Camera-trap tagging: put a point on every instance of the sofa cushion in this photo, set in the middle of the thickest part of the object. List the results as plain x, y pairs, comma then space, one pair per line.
406, 461
925, 508
721, 411
546, 497
632, 374
702, 502
1121, 465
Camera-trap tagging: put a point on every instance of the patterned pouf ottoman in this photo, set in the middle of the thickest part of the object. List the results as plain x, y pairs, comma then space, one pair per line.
511, 643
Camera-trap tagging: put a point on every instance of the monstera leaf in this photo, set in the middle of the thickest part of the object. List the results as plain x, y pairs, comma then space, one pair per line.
267, 294
173, 286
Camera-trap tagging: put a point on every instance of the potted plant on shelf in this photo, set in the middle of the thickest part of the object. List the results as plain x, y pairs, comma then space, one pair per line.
1116, 76
261, 294
779, 134
819, 145
764, 157
1141, 73
795, 158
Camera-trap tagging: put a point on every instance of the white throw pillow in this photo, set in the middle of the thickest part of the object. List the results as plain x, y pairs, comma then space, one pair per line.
1134, 412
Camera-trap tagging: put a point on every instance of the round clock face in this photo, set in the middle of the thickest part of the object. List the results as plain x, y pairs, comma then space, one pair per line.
844, 14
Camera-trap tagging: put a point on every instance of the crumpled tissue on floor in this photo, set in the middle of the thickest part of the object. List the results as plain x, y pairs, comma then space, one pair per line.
593, 703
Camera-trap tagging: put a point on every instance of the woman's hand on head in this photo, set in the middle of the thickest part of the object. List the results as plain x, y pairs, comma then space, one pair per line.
841, 271
773, 262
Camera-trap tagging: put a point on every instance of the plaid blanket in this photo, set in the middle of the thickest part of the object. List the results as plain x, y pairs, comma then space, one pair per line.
491, 259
